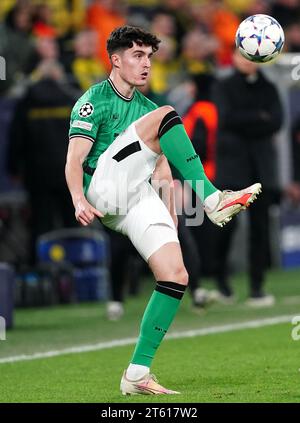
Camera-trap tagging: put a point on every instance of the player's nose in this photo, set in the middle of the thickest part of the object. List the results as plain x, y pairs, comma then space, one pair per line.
147, 62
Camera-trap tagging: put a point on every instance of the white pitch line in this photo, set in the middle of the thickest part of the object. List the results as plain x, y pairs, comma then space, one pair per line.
251, 324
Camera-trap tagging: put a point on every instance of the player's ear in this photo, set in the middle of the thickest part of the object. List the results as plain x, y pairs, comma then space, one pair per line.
115, 60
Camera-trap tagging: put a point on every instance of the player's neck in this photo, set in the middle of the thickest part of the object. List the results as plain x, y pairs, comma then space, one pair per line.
122, 86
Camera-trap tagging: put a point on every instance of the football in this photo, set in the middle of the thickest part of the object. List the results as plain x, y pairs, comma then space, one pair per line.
259, 38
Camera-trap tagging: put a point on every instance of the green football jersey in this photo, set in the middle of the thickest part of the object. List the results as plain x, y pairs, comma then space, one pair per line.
101, 114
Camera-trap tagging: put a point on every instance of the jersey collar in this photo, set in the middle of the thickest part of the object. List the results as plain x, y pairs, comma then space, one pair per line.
118, 92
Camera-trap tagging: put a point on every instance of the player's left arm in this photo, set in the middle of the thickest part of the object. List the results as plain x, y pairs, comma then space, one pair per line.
162, 182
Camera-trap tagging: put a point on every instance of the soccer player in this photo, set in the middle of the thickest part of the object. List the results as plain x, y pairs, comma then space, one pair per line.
118, 139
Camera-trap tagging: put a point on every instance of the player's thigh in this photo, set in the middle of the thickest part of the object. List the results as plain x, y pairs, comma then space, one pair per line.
150, 228
148, 223
120, 171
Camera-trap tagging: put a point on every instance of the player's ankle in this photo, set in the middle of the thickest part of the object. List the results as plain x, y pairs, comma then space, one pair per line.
211, 201
136, 371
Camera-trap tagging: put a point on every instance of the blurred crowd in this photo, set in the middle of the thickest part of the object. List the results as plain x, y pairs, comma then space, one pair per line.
56, 49
70, 35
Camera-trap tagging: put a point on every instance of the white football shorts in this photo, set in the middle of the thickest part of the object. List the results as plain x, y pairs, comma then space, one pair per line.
120, 189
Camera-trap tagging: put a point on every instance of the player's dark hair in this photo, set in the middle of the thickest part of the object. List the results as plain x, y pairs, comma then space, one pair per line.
124, 37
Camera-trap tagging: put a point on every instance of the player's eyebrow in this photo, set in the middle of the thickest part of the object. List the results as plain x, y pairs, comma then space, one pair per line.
143, 52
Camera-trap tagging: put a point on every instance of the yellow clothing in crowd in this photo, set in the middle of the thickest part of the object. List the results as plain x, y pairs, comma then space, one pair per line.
163, 76
65, 18
88, 71
238, 6
5, 6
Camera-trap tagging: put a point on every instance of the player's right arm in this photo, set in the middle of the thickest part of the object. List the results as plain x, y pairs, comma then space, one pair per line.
86, 119
79, 148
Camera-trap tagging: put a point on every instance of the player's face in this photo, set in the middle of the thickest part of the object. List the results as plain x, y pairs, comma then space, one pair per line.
135, 64
243, 65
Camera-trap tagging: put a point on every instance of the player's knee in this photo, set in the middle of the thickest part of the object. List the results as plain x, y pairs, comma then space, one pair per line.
167, 119
180, 275
164, 110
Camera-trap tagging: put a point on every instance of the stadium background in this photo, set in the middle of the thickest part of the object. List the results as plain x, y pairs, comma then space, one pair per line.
68, 37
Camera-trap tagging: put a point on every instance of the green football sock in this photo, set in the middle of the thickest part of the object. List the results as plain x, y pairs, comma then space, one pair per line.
179, 150
158, 316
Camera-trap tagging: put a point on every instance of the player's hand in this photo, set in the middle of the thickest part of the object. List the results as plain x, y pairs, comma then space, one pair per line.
85, 212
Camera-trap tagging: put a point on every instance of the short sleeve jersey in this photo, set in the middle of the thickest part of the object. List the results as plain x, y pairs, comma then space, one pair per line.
102, 113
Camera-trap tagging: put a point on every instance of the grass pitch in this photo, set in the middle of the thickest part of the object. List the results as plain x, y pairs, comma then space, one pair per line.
247, 365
